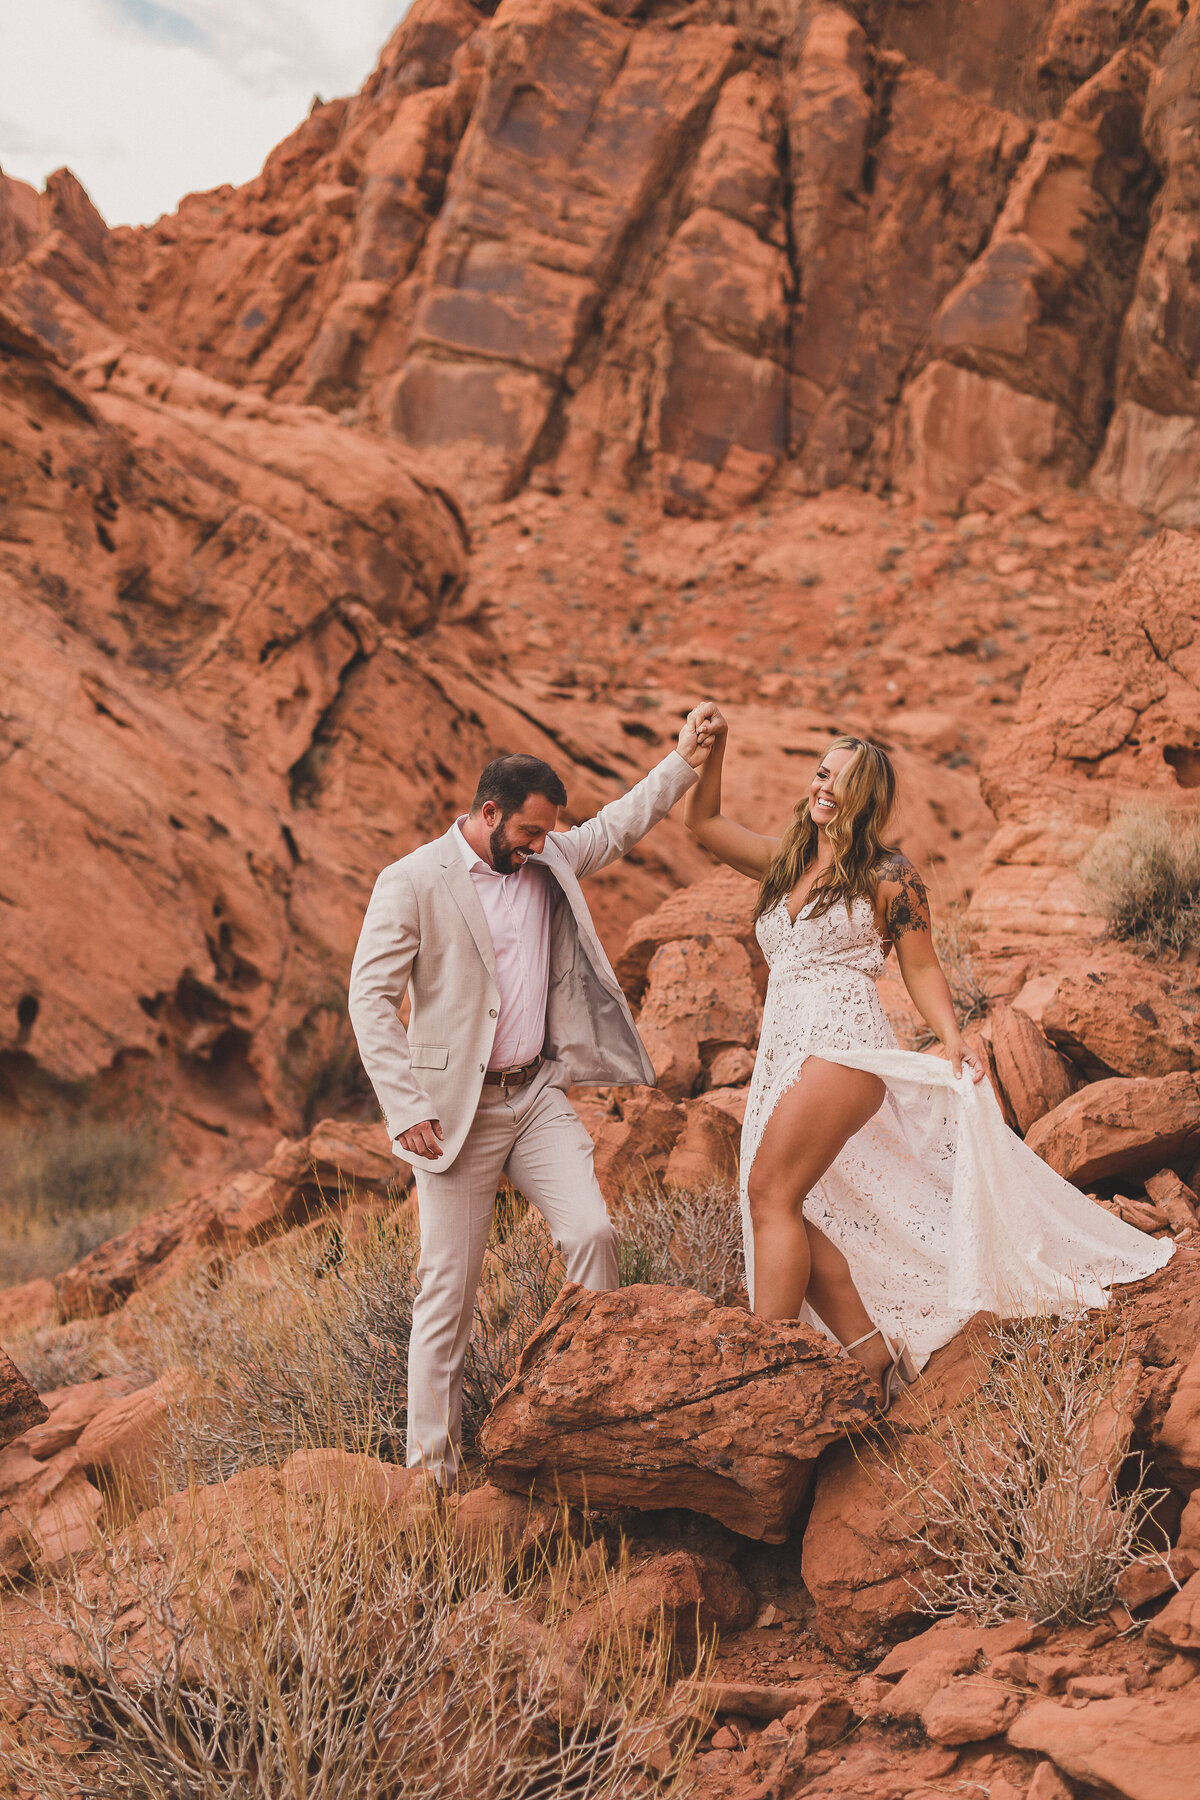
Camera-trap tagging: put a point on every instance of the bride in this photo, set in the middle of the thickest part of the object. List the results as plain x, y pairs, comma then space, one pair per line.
881, 1190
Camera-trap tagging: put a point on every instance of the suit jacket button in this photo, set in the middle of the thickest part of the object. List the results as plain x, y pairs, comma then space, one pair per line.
493, 1014
481, 1069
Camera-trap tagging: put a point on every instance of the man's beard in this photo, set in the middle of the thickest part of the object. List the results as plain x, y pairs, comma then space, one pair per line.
501, 851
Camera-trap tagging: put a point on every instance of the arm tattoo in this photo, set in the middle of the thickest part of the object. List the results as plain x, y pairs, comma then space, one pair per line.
909, 909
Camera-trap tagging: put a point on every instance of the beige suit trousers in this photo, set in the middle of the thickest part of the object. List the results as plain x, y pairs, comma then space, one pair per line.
534, 1136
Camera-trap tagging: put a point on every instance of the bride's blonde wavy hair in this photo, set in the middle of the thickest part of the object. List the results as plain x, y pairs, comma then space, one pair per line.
865, 790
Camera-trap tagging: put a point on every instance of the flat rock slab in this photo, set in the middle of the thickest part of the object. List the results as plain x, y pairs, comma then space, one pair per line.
20, 1407
1143, 1746
656, 1397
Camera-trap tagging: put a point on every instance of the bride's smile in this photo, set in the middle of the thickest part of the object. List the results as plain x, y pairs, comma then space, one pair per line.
821, 799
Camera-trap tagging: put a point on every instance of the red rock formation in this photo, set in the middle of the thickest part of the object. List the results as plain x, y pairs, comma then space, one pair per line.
238, 680
687, 249
1124, 1128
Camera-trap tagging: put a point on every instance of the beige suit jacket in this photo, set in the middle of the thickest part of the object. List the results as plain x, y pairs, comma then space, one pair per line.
425, 931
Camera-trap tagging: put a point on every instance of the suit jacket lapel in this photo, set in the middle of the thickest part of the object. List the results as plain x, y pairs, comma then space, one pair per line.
458, 880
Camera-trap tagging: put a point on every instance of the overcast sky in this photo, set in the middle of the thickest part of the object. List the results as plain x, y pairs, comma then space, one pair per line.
148, 100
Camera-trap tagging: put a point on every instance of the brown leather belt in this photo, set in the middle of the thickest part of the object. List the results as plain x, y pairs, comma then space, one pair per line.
513, 1078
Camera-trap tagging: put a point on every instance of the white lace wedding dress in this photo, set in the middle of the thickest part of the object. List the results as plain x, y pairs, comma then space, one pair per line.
939, 1209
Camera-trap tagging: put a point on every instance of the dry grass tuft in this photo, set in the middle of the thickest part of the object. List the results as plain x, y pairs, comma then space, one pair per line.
67, 1187
327, 1644
1024, 1492
303, 1342
1145, 873
683, 1238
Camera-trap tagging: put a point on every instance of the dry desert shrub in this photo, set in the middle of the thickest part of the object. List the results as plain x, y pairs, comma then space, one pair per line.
1024, 1492
57, 1356
68, 1186
682, 1238
316, 1641
303, 1342
1145, 873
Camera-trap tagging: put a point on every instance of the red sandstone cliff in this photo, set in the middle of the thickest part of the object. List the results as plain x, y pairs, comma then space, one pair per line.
686, 246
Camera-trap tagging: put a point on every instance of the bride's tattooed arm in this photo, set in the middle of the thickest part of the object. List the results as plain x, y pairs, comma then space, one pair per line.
907, 908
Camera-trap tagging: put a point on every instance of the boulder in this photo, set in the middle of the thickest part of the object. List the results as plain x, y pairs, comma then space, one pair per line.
19, 1405
1177, 1202
49, 1509
962, 1639
631, 1150
1139, 1746
706, 1150
517, 1522
1035, 1078
1178, 1449
699, 997
731, 1068
1177, 1626
656, 1397
342, 1152
693, 1596
1121, 1127
720, 906
963, 1712
926, 1678
71, 1410
122, 1445
1115, 1024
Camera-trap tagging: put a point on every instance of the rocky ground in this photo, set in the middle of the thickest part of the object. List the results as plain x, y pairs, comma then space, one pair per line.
458, 429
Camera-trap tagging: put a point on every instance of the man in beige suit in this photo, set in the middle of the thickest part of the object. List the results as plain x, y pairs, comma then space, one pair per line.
513, 999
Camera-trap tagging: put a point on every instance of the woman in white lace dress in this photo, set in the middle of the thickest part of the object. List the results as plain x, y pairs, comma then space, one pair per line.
883, 1196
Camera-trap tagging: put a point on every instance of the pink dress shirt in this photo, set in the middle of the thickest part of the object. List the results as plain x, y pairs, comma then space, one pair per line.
517, 910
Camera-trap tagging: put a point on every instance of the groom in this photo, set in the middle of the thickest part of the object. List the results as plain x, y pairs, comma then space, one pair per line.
513, 999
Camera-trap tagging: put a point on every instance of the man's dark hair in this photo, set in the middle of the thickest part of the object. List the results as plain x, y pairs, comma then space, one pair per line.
509, 780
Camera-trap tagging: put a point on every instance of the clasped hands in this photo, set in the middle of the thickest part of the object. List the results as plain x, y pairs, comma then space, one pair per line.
699, 732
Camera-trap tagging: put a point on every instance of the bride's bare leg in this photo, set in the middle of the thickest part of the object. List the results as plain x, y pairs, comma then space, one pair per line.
834, 1297
806, 1131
